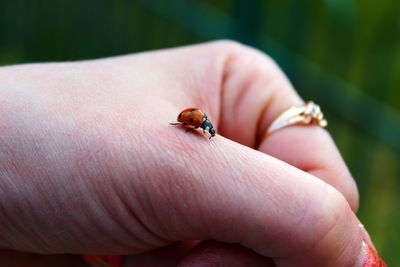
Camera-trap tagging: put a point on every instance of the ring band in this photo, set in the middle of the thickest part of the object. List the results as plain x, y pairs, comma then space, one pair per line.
309, 113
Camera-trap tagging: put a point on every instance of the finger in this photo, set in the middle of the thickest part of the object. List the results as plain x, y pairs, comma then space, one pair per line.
311, 149
254, 92
228, 192
212, 253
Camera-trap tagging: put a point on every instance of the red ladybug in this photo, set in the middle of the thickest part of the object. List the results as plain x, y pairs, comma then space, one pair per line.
195, 118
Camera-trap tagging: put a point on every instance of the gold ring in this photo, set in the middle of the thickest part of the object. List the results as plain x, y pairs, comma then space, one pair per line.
307, 114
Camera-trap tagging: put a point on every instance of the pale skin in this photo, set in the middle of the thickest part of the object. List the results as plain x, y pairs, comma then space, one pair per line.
89, 164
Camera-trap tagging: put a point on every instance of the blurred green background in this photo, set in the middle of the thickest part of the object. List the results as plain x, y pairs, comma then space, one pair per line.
343, 54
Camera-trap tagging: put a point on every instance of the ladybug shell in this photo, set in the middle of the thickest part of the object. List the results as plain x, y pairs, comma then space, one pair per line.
192, 116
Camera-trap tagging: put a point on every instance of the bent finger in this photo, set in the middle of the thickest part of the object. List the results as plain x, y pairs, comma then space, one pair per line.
255, 92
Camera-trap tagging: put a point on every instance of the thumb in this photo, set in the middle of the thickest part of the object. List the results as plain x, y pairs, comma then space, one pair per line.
224, 191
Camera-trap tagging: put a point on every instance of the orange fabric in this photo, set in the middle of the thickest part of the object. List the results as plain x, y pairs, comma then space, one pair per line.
373, 259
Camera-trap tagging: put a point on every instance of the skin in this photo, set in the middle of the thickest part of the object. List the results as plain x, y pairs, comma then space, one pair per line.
89, 164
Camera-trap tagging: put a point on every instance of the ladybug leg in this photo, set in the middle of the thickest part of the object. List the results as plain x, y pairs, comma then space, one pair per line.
191, 128
178, 123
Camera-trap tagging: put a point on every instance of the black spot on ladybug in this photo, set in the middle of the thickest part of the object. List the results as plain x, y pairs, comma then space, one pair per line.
180, 115
191, 120
192, 111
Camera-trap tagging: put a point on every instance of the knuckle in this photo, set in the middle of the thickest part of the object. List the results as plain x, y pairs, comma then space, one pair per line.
340, 232
227, 44
334, 209
241, 51
254, 61
323, 217
333, 218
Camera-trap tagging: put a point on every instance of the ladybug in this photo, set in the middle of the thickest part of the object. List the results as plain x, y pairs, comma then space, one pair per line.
195, 118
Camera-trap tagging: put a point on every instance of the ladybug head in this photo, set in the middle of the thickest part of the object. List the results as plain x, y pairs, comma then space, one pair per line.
212, 132
207, 126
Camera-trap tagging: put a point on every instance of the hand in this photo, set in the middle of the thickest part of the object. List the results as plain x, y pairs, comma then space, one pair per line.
89, 163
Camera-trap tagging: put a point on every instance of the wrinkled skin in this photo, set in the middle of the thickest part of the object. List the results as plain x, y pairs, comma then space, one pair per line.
89, 164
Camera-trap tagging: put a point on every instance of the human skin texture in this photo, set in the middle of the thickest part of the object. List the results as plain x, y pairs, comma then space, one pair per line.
90, 165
